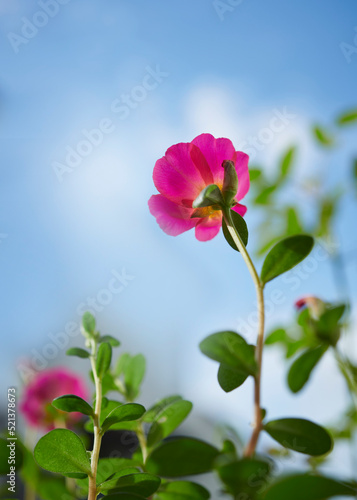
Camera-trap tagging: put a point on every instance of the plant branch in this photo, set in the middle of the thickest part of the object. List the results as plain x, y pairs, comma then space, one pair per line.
259, 287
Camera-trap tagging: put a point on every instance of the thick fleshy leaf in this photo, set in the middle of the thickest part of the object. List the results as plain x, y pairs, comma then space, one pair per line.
77, 351
139, 483
300, 435
181, 456
88, 323
230, 349
160, 406
285, 255
308, 487
347, 118
104, 358
168, 420
245, 476
182, 490
302, 367
71, 402
62, 451
111, 340
229, 378
123, 413
241, 227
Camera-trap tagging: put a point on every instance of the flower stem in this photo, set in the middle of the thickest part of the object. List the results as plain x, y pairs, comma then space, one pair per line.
92, 493
259, 287
142, 442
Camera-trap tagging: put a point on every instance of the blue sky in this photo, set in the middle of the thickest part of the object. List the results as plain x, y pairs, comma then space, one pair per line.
63, 239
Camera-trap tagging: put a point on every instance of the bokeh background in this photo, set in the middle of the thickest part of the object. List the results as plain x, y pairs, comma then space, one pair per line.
154, 74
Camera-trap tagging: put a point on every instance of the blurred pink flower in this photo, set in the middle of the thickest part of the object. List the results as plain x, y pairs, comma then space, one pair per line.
42, 389
315, 305
180, 176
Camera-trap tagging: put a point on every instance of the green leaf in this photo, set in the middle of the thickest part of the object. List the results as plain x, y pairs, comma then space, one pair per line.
293, 223
308, 487
181, 456
241, 227
300, 435
168, 420
111, 340
182, 490
264, 197
285, 255
71, 402
123, 413
230, 378
88, 324
302, 367
104, 358
139, 483
254, 173
158, 407
124, 496
210, 195
287, 162
323, 137
62, 451
134, 375
347, 118
245, 477
77, 351
230, 349
276, 336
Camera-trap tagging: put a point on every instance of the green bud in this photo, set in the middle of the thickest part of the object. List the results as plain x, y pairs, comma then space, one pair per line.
88, 326
230, 182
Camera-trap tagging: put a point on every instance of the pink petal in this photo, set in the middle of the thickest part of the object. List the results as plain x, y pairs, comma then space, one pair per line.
208, 227
172, 218
241, 165
240, 209
181, 174
215, 152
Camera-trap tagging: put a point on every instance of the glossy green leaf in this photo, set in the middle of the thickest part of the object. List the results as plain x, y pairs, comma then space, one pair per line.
88, 324
181, 456
62, 451
230, 349
182, 490
241, 227
210, 195
160, 406
300, 435
111, 340
112, 480
139, 483
77, 351
168, 420
308, 487
123, 413
287, 162
124, 496
303, 366
347, 118
285, 255
71, 402
245, 476
323, 137
104, 358
229, 378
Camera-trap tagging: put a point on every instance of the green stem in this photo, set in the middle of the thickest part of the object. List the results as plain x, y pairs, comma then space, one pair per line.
142, 442
259, 287
92, 493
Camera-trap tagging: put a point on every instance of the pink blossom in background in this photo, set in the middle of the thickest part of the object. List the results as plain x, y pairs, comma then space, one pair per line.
42, 389
315, 305
180, 176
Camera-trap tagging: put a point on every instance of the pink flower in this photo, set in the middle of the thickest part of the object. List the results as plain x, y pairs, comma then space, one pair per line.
315, 305
40, 392
180, 176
